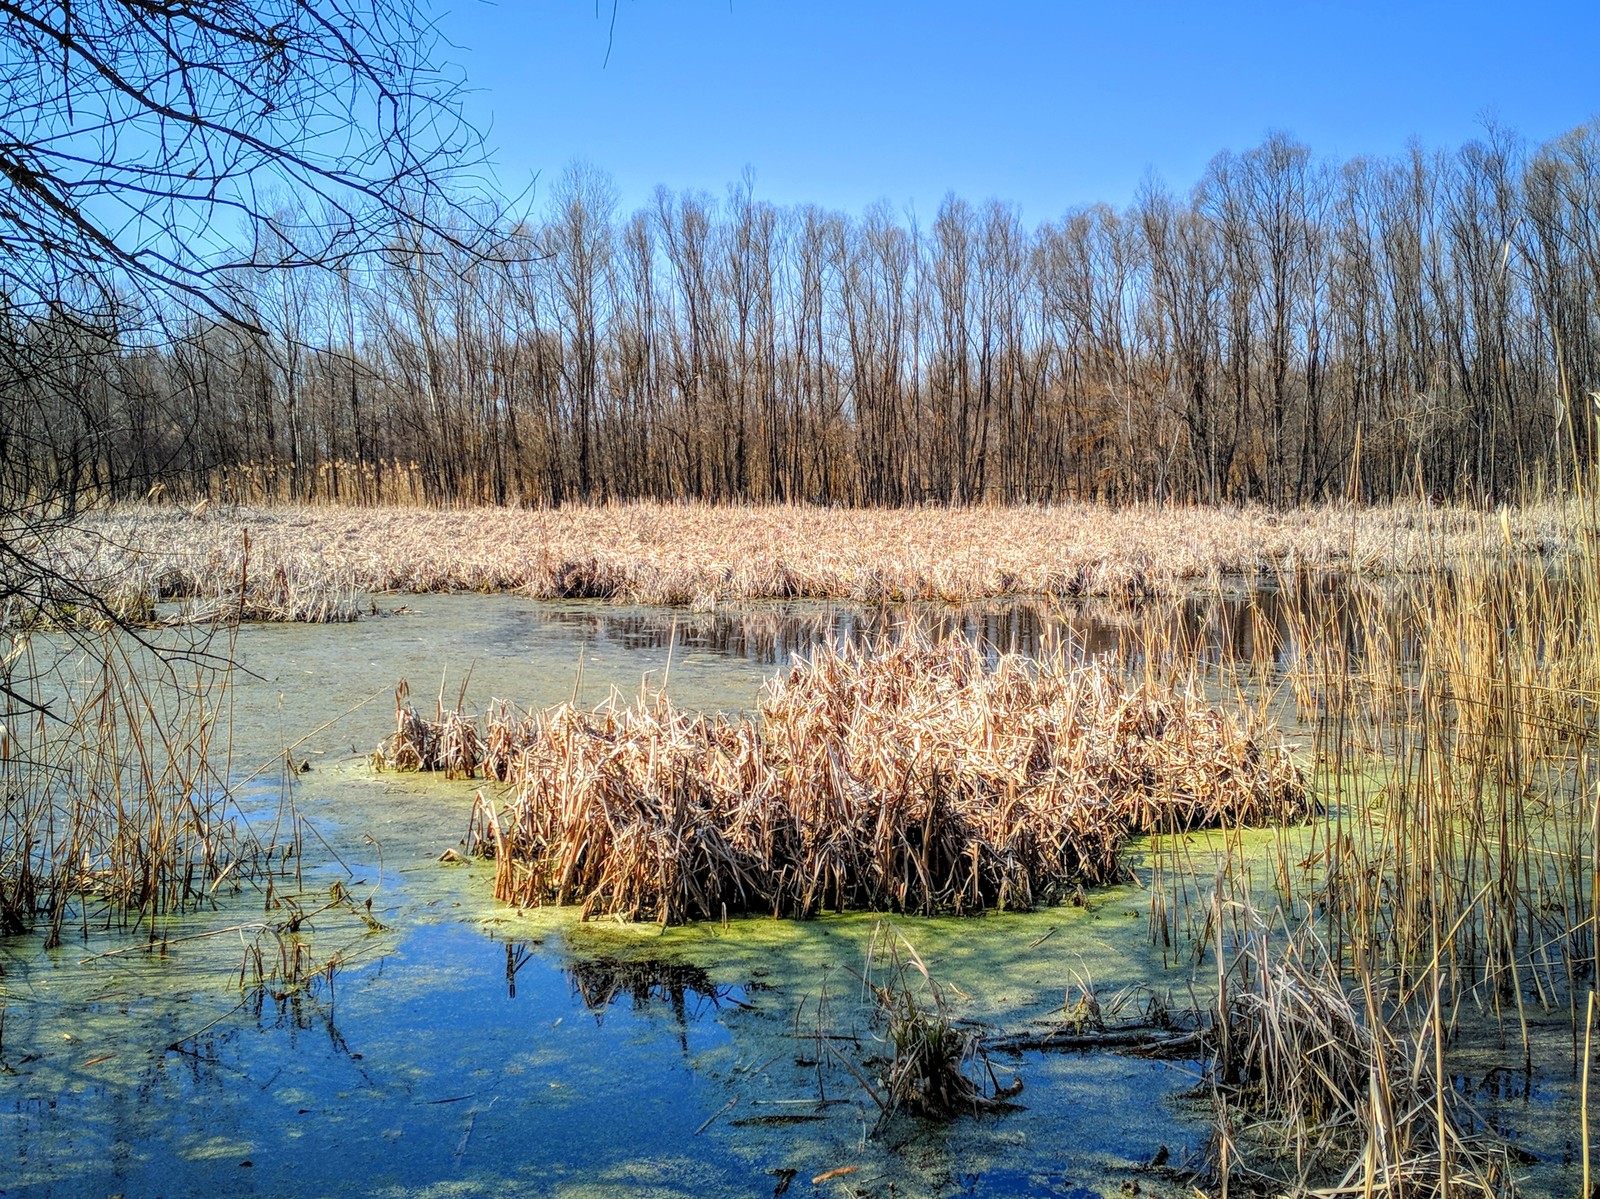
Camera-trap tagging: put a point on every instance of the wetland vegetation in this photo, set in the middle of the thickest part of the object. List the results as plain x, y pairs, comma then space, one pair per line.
1105, 708
322, 563
1382, 988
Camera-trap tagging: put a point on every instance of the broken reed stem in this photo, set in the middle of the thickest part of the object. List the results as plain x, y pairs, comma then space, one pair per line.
1583, 1098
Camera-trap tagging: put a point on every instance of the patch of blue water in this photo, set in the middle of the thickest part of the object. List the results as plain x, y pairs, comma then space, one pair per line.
453, 1065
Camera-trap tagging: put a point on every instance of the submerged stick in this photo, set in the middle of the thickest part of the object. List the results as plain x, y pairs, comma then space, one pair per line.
838, 1172
1131, 1038
726, 1107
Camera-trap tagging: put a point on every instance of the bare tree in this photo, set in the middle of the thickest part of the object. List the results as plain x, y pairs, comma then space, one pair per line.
1291, 329
137, 137
141, 143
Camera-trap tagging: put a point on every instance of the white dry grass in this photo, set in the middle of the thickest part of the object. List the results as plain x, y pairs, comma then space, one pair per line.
308, 563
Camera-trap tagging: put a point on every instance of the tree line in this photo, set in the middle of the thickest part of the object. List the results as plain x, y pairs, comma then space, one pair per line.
1293, 329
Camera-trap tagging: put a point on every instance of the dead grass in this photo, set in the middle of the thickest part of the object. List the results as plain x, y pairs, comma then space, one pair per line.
1327, 1088
1451, 896
937, 1066
309, 563
115, 800
450, 742
921, 777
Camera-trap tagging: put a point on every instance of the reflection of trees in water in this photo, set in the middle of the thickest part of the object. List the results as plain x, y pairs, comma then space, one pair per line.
600, 982
774, 636
1256, 628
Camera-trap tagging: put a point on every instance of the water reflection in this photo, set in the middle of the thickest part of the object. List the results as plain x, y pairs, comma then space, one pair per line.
453, 1044
686, 990
1245, 629
597, 983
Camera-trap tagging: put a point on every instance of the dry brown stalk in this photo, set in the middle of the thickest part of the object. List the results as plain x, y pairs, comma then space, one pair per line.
1331, 1093
450, 742
924, 776
938, 1065
309, 563
117, 795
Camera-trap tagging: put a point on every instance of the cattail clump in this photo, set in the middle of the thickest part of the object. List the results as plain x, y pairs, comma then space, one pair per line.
926, 777
451, 742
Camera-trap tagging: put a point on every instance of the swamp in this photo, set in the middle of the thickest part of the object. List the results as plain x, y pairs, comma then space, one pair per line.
952, 667
1281, 881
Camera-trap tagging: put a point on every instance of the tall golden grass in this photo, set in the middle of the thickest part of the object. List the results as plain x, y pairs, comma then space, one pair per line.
309, 563
1460, 738
1449, 896
918, 777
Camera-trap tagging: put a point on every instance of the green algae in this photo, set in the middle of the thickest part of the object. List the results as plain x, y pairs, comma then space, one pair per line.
138, 1066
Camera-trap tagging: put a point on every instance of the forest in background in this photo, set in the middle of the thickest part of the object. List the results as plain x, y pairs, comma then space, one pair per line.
1294, 329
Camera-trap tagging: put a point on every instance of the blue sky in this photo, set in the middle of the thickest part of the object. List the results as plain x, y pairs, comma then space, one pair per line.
1045, 105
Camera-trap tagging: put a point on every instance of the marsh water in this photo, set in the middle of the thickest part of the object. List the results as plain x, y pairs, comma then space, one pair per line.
462, 1048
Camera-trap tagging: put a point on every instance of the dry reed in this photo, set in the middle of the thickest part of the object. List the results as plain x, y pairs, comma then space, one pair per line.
1330, 1092
1450, 896
923, 777
114, 777
938, 1067
309, 563
450, 742
281, 963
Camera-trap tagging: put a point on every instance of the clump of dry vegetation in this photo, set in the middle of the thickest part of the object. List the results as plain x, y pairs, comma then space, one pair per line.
937, 1068
114, 784
310, 563
922, 777
281, 963
450, 742
1331, 1091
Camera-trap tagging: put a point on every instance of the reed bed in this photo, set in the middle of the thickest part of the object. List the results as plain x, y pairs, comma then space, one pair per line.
1331, 1091
925, 776
310, 563
164, 581
114, 778
1461, 740
1447, 903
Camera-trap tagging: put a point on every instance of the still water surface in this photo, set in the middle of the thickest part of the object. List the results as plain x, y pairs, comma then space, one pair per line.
470, 1050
